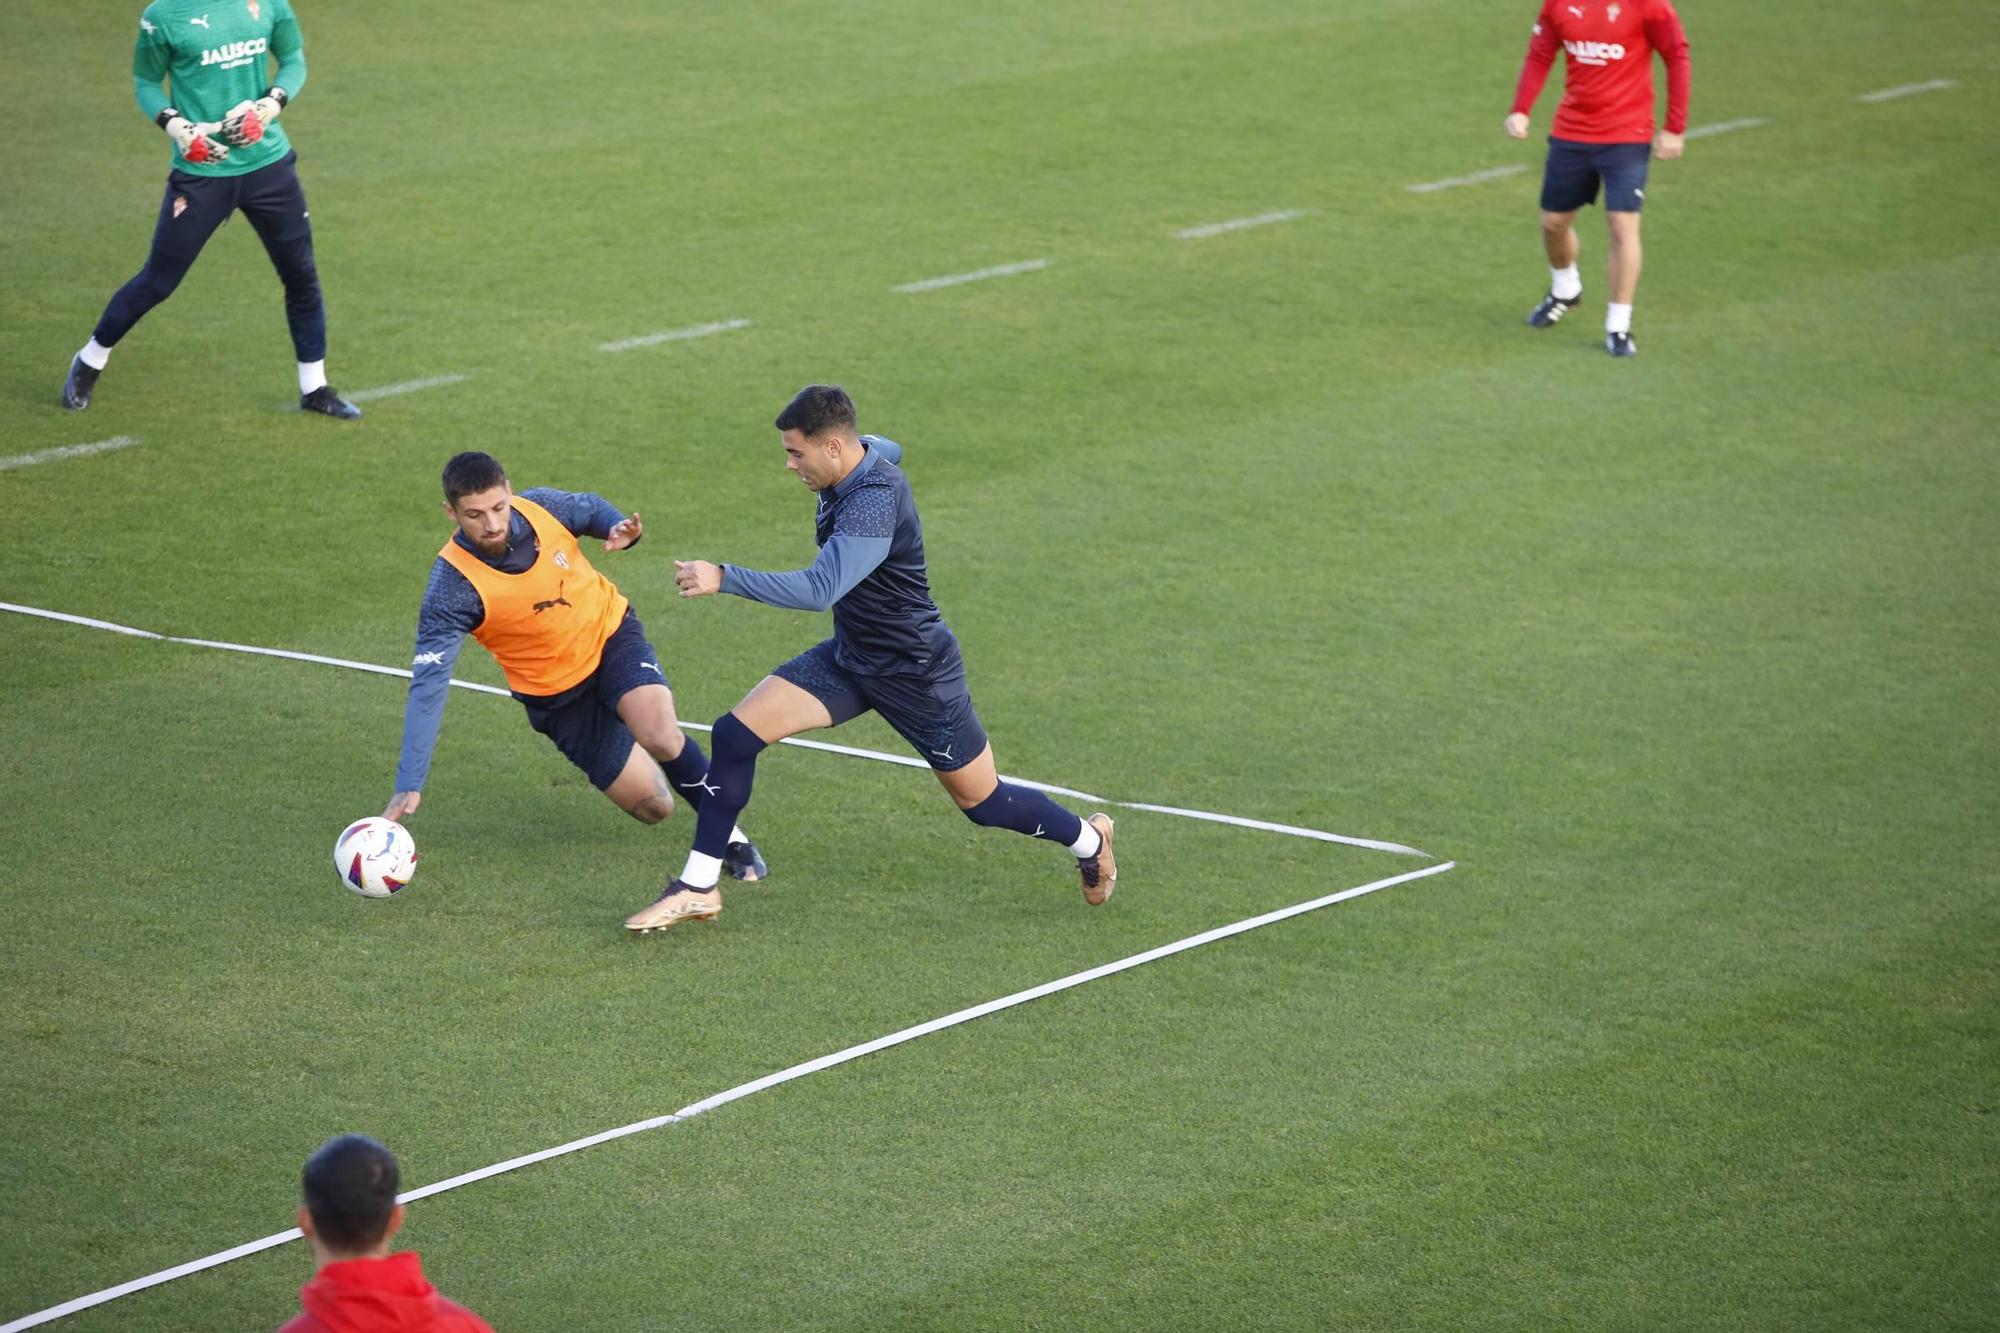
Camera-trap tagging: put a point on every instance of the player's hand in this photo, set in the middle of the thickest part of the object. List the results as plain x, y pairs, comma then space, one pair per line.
1668, 146
624, 533
404, 803
243, 125
1516, 125
198, 143
697, 578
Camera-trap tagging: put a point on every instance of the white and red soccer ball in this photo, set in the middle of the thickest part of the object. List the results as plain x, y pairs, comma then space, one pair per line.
375, 856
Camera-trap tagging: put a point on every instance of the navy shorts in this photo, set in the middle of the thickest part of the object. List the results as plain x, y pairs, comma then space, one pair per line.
935, 715
1571, 177
583, 720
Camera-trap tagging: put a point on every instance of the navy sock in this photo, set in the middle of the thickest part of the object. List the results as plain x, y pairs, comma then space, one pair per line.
687, 773
1028, 811
731, 772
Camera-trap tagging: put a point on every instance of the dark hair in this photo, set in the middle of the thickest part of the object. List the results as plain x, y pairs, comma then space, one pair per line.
816, 409
470, 473
350, 1190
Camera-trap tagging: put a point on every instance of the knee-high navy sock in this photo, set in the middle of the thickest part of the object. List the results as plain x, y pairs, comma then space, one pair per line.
731, 772
687, 773
1028, 811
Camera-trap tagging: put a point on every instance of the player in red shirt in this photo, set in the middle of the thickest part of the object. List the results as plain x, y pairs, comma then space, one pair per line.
348, 1216
1601, 134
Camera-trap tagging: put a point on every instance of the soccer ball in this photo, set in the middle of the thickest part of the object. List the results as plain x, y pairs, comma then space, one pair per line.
374, 857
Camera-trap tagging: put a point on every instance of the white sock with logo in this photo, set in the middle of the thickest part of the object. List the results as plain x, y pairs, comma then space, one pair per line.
95, 355
702, 872
1087, 842
1566, 283
312, 375
1617, 319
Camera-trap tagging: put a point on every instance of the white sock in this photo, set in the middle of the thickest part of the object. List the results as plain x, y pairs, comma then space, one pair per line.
736, 833
95, 354
312, 375
1566, 283
1617, 319
1087, 842
701, 872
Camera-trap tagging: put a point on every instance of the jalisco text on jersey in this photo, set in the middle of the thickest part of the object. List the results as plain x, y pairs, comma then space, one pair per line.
236, 53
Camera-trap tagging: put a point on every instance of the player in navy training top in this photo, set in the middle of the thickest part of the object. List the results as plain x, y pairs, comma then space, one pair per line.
890, 651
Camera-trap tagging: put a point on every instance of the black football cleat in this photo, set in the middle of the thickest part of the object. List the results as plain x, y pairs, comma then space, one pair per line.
744, 862
1552, 309
1620, 344
79, 386
325, 401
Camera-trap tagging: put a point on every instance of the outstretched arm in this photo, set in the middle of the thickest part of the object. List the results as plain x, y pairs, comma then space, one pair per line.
844, 561
451, 610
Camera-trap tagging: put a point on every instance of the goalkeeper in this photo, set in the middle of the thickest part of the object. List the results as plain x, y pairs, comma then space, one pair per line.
229, 154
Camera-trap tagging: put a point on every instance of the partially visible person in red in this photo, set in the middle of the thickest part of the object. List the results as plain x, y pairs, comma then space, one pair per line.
349, 1214
1602, 133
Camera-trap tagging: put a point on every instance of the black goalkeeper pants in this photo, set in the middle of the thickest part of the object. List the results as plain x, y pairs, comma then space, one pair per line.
194, 206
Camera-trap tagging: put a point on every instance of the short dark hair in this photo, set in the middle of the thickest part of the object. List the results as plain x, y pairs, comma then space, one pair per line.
350, 1190
816, 409
470, 473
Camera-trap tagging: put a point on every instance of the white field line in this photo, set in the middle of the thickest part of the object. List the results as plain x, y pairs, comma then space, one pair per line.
68, 451
979, 275
1470, 178
906, 761
743, 1090
1727, 127
673, 335
407, 386
1907, 90
1239, 224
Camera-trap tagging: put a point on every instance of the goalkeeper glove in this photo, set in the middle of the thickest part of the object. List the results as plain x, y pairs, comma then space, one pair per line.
196, 142
246, 122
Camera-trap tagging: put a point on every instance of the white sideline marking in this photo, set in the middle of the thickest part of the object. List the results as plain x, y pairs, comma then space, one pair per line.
407, 386
1727, 127
954, 279
1239, 224
68, 451
1471, 178
906, 761
1907, 90
742, 1090
673, 335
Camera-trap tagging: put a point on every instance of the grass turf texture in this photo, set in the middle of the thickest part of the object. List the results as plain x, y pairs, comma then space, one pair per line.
1689, 661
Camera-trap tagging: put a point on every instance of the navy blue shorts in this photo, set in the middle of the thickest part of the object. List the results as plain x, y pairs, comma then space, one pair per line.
1571, 177
934, 715
583, 720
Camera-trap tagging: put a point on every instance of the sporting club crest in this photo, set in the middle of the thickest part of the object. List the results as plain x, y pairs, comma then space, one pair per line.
1612, 10
252, 5
180, 204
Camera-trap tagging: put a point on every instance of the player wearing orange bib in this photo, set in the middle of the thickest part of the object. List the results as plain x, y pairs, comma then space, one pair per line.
514, 577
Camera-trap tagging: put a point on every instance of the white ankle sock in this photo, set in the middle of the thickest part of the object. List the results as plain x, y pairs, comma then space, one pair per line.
95, 354
312, 375
1566, 283
736, 833
702, 872
1087, 842
1617, 319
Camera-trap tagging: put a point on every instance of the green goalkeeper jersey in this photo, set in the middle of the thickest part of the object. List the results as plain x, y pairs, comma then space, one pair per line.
217, 54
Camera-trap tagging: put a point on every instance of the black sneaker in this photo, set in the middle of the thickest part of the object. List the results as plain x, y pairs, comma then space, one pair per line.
327, 402
1551, 309
742, 861
78, 387
1620, 344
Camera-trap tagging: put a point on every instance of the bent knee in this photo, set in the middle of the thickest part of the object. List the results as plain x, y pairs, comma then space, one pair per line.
652, 809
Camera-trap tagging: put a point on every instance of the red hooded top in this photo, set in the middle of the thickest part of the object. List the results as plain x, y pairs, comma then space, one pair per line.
379, 1296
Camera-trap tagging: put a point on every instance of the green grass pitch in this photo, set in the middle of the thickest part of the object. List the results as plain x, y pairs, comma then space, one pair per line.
1692, 663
